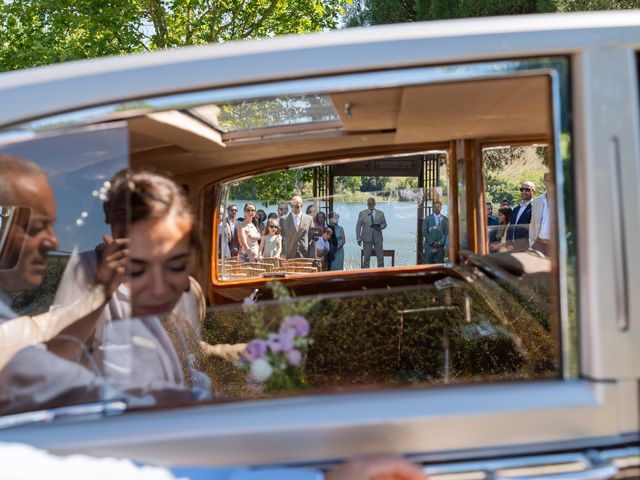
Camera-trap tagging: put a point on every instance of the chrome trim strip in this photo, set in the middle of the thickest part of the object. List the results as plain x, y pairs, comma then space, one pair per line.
45, 416
591, 465
619, 238
565, 339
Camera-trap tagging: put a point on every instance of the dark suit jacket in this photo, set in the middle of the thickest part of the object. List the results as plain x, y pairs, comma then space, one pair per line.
233, 241
518, 234
435, 236
493, 223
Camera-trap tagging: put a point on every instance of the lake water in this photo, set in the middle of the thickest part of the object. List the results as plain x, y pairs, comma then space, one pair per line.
400, 234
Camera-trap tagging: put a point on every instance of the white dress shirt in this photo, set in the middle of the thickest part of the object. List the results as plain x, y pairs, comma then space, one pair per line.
545, 221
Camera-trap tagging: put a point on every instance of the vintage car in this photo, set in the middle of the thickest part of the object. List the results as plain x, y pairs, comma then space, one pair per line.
474, 356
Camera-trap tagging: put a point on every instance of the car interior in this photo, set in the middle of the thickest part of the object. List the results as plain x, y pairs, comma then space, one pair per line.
458, 320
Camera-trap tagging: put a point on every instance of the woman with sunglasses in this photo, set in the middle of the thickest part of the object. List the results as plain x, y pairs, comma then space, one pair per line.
271, 243
249, 235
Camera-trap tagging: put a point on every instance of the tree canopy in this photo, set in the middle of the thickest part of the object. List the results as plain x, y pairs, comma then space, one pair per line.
42, 32
377, 12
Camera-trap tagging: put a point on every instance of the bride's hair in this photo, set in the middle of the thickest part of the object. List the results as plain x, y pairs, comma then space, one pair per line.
137, 195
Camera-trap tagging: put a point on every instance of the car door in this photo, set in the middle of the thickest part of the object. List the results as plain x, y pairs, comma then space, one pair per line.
580, 416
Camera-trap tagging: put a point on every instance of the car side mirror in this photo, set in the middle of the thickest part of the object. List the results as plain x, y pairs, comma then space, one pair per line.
14, 224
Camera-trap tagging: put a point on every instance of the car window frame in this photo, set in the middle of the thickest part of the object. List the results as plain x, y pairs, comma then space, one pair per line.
599, 400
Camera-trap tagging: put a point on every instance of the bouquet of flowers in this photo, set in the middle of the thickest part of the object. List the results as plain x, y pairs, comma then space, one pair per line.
278, 360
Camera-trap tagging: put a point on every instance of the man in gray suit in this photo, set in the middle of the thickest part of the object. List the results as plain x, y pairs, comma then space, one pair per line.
369, 228
296, 228
435, 230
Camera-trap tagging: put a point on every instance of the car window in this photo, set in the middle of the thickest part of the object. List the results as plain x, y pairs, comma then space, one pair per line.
320, 241
61, 181
350, 212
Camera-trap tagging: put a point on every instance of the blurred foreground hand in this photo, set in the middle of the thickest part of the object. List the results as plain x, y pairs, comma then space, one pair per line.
376, 468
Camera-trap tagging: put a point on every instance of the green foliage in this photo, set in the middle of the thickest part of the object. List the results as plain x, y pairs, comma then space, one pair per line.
42, 32
392, 11
274, 187
374, 184
377, 12
38, 300
275, 112
498, 188
585, 5
347, 184
361, 338
495, 160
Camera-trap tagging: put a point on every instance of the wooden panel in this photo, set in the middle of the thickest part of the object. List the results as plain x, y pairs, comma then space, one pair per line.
370, 110
406, 166
510, 107
454, 233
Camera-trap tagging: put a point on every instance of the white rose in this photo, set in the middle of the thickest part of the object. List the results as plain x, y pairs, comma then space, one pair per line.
261, 370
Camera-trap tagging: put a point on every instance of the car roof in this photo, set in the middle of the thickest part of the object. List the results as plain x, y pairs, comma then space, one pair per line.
34, 93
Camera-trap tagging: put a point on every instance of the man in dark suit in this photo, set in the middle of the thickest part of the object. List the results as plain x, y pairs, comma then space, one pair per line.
296, 228
518, 235
435, 230
233, 243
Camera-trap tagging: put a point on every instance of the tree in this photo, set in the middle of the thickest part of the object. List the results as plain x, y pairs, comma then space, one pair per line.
585, 5
344, 185
41, 32
373, 184
376, 12
274, 187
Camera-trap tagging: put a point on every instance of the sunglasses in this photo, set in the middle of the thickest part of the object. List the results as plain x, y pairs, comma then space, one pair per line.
233, 209
522, 189
273, 226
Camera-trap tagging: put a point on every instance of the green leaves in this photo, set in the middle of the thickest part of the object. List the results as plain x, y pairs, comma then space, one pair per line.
41, 32
376, 12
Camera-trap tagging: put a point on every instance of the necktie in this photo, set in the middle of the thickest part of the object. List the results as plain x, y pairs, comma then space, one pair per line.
296, 220
371, 214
